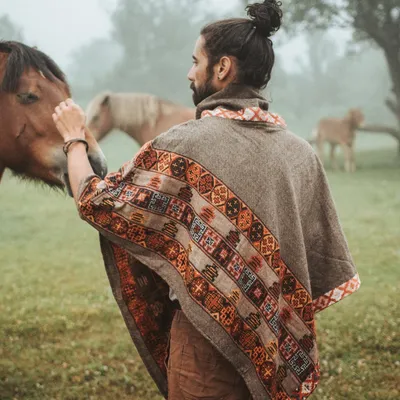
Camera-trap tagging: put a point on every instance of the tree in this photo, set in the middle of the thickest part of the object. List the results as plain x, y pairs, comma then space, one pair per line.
157, 38
89, 66
326, 82
375, 20
8, 30
93, 60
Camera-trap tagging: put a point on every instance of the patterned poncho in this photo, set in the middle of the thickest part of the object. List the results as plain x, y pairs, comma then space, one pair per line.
233, 213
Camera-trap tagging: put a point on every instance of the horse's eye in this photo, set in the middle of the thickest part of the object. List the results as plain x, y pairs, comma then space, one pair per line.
27, 98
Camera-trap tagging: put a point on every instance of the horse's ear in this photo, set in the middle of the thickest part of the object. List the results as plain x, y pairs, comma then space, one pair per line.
106, 100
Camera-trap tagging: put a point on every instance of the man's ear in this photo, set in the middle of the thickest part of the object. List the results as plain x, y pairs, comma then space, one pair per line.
225, 67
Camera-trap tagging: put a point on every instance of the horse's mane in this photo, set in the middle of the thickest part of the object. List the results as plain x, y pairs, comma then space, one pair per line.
134, 109
22, 57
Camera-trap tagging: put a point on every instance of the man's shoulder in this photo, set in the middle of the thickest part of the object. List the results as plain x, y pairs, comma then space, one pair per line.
183, 135
296, 145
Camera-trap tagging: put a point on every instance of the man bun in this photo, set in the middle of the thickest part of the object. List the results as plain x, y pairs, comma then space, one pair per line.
266, 16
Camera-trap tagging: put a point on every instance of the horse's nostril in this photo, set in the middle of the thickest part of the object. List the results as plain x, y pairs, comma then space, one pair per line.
103, 172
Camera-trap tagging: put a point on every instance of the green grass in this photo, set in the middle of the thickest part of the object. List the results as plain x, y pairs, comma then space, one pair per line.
61, 334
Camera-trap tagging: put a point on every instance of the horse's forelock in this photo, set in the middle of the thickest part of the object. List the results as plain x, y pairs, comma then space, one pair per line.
22, 57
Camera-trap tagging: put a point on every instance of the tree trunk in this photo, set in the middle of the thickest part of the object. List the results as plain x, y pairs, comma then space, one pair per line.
394, 107
395, 133
392, 55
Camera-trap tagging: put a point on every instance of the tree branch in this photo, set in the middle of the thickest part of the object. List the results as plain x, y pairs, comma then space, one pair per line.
381, 129
393, 107
366, 21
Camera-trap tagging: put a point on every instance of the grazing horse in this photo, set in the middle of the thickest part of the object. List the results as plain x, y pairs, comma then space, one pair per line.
141, 116
339, 131
31, 86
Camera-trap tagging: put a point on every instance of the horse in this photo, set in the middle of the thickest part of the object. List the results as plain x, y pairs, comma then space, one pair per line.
339, 131
31, 86
142, 116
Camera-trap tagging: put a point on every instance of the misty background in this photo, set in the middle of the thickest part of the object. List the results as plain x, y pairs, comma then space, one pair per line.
61, 333
125, 45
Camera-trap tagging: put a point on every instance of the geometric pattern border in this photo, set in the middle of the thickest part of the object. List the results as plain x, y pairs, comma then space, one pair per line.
337, 294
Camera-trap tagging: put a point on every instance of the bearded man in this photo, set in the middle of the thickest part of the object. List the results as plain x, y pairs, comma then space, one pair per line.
220, 238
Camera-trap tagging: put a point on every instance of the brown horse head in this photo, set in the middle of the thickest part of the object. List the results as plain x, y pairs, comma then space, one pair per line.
99, 116
356, 117
31, 86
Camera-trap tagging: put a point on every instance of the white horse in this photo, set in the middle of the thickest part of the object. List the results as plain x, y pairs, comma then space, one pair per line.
141, 116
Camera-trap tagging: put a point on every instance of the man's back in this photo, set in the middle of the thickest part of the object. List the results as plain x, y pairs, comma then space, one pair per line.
234, 215
275, 176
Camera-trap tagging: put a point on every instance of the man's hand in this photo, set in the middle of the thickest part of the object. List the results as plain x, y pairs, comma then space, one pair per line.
70, 120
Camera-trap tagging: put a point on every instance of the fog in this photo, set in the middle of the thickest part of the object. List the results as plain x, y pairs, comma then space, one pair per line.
101, 45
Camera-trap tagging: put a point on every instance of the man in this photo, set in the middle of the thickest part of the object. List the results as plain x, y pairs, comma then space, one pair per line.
220, 238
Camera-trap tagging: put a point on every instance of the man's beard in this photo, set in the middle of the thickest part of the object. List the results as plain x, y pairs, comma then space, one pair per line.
202, 92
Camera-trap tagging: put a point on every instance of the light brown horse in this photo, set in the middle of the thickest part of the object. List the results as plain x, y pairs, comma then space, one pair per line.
342, 132
141, 116
31, 86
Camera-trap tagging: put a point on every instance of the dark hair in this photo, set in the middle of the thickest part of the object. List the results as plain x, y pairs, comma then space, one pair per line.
246, 39
22, 57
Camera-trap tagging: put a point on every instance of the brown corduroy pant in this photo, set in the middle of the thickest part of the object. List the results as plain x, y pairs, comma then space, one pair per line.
196, 370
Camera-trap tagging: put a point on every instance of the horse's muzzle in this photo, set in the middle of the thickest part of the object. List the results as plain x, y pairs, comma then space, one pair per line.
99, 165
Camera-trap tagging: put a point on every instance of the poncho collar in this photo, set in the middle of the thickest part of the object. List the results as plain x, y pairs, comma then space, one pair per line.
238, 102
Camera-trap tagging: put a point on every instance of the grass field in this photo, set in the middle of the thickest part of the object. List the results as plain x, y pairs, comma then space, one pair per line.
61, 334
